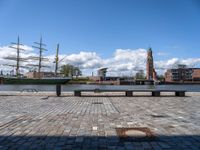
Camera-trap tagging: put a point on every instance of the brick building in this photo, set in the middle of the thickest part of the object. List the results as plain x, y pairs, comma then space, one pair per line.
182, 74
151, 73
196, 74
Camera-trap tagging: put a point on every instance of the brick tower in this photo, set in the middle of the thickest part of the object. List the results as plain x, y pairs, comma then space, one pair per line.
149, 68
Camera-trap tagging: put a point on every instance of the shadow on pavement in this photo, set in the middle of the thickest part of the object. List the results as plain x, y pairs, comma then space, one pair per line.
180, 142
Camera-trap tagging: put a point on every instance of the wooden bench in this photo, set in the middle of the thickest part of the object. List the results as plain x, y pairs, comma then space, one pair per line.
78, 92
130, 92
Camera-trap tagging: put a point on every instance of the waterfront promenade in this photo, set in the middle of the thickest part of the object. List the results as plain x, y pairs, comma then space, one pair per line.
40, 121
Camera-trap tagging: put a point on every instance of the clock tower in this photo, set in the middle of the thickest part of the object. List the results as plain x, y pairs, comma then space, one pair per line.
149, 66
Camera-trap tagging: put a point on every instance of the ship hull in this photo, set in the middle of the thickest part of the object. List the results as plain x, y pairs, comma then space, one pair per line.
35, 81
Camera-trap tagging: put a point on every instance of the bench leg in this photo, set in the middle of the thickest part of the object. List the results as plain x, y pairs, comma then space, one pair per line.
180, 94
156, 93
77, 93
129, 93
58, 89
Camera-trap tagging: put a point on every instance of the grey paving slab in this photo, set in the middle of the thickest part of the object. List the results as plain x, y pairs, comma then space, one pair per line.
40, 122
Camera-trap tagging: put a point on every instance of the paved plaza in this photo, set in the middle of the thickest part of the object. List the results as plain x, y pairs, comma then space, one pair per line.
49, 122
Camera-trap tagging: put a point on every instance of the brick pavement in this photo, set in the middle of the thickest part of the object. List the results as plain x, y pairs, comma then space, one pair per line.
40, 122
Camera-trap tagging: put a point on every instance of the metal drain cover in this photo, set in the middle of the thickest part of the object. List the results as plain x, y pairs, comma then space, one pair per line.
136, 134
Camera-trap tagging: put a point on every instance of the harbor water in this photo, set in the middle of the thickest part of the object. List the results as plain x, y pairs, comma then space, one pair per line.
51, 88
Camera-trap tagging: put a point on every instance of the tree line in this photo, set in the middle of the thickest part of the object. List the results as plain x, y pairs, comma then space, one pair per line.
70, 71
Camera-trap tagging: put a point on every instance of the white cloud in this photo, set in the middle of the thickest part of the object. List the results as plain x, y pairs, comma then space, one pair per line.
123, 61
85, 60
129, 55
7, 52
190, 62
126, 61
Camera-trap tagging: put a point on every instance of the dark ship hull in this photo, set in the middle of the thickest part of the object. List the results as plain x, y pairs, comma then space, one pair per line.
34, 81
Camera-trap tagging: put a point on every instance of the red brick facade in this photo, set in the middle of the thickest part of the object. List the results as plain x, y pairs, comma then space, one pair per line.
196, 75
150, 71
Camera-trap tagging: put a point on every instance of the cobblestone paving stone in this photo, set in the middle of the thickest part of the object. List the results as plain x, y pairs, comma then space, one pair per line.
40, 122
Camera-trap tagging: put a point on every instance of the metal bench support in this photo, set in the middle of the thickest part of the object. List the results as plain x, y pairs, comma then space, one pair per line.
77, 93
129, 93
155, 93
58, 89
180, 93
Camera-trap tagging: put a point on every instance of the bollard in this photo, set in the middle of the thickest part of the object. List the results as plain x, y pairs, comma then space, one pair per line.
58, 89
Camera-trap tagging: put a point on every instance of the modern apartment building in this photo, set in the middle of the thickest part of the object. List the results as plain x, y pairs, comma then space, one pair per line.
182, 73
102, 73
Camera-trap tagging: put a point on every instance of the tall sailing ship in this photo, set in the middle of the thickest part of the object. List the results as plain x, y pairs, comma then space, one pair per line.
32, 77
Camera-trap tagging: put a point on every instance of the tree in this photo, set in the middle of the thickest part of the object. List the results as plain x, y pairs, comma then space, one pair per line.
76, 72
140, 75
161, 77
69, 70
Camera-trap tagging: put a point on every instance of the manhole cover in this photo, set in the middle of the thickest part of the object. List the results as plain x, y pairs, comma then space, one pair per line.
135, 134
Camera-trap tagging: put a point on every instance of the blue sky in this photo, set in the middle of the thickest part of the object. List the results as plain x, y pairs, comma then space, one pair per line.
171, 27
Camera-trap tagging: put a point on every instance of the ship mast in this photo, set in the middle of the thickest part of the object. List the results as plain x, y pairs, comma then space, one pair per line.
56, 60
40, 47
17, 47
